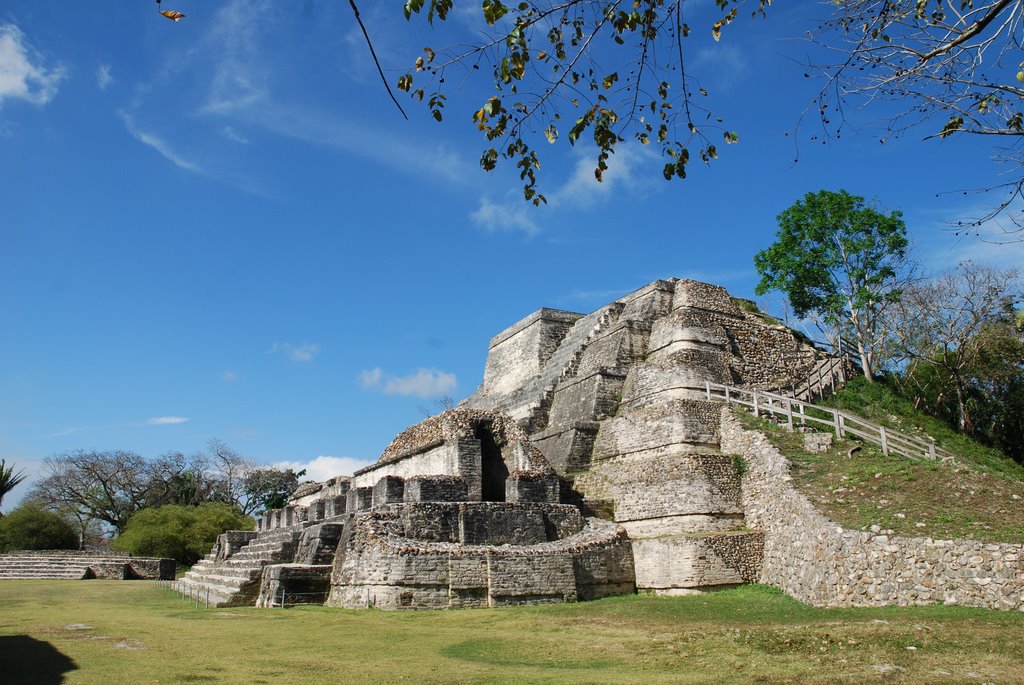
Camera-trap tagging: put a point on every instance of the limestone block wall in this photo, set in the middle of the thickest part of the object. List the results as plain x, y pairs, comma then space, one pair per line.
658, 429
680, 492
520, 352
442, 459
681, 564
818, 561
379, 565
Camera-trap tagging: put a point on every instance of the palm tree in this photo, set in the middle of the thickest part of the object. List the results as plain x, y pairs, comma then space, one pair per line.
8, 479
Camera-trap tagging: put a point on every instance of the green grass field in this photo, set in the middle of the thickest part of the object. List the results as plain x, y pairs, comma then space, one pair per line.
108, 632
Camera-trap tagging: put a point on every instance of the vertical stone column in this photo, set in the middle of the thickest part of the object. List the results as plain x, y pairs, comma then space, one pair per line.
468, 464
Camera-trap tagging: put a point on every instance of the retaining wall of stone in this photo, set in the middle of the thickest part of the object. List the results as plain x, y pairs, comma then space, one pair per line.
378, 567
818, 561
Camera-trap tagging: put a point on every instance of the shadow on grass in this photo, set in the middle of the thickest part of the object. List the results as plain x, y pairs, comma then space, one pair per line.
27, 660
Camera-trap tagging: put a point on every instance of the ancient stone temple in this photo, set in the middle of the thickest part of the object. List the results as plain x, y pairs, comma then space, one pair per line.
588, 463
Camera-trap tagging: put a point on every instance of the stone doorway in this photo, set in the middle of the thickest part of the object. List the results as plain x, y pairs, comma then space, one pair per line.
493, 470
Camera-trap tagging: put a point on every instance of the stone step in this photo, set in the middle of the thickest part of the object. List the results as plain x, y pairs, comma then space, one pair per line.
34, 574
225, 570
236, 583
221, 595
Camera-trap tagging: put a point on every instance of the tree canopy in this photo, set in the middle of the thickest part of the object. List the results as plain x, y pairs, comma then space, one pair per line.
840, 259
30, 526
178, 531
111, 486
948, 67
961, 351
603, 70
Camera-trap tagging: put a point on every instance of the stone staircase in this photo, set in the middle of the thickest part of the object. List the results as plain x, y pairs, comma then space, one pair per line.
35, 567
235, 580
77, 565
567, 360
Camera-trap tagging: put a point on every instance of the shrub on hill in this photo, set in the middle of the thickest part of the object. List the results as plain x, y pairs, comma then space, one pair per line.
32, 527
180, 532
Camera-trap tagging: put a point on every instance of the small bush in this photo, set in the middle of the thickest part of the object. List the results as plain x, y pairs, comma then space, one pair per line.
180, 532
32, 527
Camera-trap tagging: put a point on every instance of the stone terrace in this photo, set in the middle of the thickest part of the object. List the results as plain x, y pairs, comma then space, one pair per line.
69, 564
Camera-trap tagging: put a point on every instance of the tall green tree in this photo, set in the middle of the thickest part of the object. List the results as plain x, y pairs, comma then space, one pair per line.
8, 479
839, 259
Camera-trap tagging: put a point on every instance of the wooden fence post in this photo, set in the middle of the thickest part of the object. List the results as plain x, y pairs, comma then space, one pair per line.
707, 384
755, 403
789, 415
885, 443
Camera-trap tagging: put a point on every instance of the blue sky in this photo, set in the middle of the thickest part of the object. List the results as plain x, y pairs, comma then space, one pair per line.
222, 228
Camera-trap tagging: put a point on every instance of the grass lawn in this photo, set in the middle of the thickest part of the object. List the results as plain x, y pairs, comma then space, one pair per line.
109, 632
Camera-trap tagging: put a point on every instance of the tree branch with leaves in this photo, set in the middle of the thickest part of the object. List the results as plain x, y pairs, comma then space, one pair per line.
604, 70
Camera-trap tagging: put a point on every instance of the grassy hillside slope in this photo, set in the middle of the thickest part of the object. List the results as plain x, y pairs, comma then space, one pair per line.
979, 496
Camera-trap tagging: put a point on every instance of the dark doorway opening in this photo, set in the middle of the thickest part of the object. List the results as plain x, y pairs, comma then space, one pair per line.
493, 470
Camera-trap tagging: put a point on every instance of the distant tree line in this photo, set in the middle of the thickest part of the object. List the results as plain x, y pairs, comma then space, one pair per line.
172, 505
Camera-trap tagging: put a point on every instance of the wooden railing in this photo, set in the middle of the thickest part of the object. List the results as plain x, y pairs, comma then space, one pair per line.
821, 381
843, 423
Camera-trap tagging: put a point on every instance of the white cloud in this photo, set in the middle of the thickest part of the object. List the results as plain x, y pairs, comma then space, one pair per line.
583, 190
422, 383
165, 420
324, 467
370, 378
297, 353
510, 215
22, 74
160, 145
103, 76
229, 376
236, 84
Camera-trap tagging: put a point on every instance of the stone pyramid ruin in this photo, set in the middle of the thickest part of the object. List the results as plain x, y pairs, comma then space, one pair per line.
588, 463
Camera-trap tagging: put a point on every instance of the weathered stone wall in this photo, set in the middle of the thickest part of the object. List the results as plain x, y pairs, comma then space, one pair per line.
678, 485
378, 566
658, 429
681, 564
818, 561
284, 585
520, 352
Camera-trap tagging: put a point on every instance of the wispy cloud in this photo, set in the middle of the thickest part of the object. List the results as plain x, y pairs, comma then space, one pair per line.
421, 383
323, 467
231, 133
160, 145
582, 190
370, 378
23, 74
723, 64
165, 420
512, 214
948, 241
297, 353
326, 129
229, 376
104, 77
